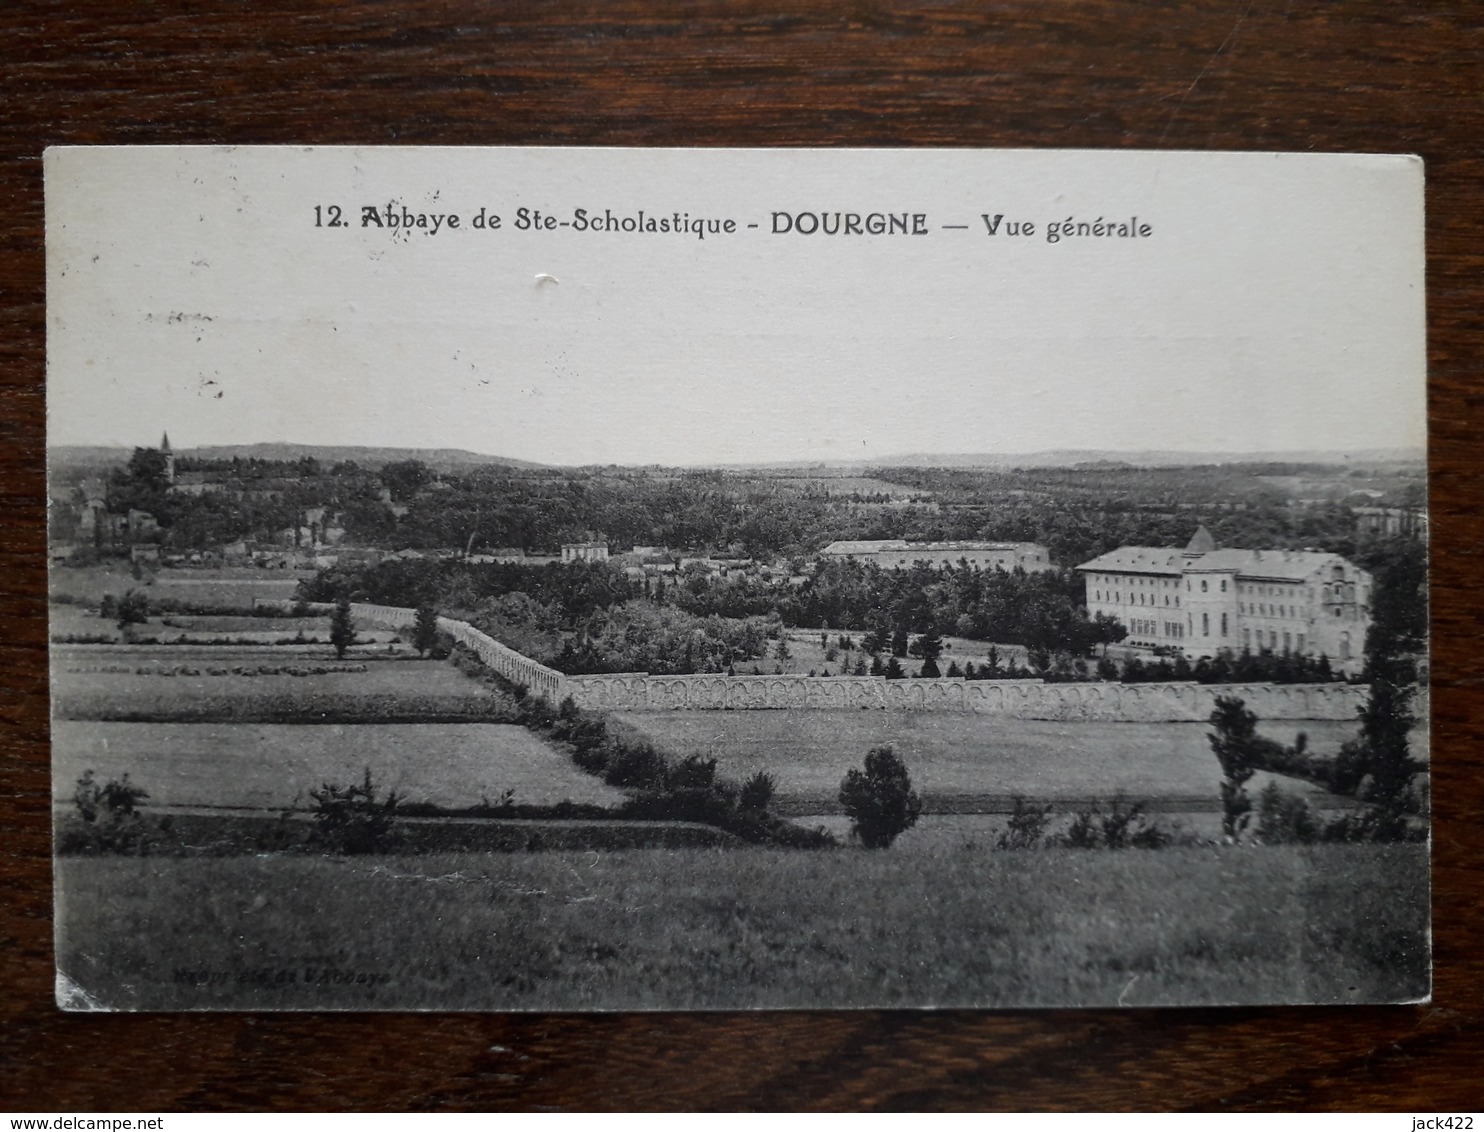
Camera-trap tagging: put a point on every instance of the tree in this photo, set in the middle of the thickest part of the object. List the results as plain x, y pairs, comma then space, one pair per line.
880, 800
782, 651
404, 478
931, 645
342, 628
425, 632
894, 669
899, 641
1238, 749
149, 469
131, 609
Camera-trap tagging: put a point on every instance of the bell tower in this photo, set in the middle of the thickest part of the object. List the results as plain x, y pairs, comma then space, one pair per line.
169, 457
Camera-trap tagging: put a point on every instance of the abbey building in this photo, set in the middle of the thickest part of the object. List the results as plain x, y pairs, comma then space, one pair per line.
1203, 599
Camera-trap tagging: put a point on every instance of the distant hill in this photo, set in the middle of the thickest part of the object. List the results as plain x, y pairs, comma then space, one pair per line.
1072, 457
441, 459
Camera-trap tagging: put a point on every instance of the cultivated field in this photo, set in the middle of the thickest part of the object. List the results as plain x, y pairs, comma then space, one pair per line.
286, 684
807, 654
74, 623
965, 756
274, 766
230, 587
749, 928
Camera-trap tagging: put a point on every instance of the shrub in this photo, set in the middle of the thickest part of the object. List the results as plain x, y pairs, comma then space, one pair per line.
757, 791
351, 819
342, 628
108, 820
425, 633
132, 609
1122, 827
880, 800
1027, 826
637, 766
1284, 818
691, 773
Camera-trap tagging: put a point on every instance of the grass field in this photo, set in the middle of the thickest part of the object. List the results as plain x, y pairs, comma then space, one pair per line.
402, 689
950, 754
273, 766
228, 586
75, 621
748, 928
807, 653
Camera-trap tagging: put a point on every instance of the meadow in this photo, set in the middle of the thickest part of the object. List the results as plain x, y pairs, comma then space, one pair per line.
230, 587
748, 928
182, 683
74, 623
956, 759
274, 766
806, 653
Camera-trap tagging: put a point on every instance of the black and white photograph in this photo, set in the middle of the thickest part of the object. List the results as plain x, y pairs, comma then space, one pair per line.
551, 579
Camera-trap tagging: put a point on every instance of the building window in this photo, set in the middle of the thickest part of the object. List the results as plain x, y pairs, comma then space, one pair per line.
1247, 639
1205, 622
1204, 587
1223, 624
1287, 642
1300, 642
1223, 585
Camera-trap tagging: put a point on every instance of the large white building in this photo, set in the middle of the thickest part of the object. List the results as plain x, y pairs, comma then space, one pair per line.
1203, 599
1006, 556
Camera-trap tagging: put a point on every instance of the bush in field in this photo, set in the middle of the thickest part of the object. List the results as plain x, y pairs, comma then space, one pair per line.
1284, 818
108, 820
1122, 827
425, 633
880, 800
352, 819
131, 609
342, 628
1026, 827
757, 791
636, 766
691, 773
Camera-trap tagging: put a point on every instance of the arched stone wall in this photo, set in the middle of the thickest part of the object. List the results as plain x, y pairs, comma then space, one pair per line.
1024, 699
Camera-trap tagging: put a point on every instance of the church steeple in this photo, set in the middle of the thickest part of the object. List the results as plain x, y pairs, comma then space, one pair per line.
169, 457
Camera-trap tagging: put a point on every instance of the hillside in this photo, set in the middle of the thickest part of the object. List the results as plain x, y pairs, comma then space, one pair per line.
442, 459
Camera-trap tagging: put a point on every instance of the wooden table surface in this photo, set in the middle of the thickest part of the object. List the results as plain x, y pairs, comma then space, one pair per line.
1234, 74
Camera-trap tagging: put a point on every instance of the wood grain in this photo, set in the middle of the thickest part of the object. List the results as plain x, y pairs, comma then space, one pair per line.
1241, 74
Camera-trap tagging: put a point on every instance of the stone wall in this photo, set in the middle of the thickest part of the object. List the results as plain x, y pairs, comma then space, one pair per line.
1021, 699
514, 666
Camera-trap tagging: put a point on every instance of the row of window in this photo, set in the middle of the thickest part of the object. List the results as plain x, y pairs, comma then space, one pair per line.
1116, 596
1151, 583
1266, 610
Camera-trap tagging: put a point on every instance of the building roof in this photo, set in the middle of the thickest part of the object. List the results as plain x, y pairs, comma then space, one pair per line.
876, 546
1138, 560
1276, 565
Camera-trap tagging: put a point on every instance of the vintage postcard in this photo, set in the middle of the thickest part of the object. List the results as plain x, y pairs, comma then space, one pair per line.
610, 579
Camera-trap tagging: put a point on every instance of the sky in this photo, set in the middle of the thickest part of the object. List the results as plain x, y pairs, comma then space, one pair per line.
1275, 305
